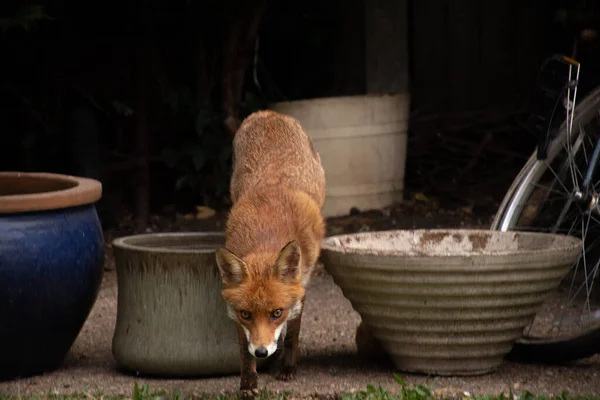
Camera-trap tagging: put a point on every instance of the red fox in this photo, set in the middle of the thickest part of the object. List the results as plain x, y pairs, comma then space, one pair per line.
273, 239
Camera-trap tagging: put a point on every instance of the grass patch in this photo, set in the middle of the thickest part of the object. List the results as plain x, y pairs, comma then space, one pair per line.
420, 392
406, 392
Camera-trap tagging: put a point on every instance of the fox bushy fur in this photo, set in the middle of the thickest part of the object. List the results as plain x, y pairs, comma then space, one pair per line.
273, 239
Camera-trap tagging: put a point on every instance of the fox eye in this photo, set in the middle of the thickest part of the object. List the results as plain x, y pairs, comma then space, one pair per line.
245, 314
277, 313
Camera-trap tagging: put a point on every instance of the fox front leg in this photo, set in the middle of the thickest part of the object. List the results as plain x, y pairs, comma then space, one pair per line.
248, 374
287, 371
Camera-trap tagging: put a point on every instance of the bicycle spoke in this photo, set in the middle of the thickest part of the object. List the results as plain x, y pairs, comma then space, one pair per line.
551, 190
573, 225
557, 177
549, 198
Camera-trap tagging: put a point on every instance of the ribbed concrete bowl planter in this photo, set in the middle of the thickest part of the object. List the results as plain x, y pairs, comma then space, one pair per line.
171, 318
448, 302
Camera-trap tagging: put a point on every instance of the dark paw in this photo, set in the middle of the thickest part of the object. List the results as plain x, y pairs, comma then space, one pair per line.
248, 393
287, 373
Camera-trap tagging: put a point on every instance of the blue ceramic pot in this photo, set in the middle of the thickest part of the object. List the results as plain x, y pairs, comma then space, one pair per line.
51, 264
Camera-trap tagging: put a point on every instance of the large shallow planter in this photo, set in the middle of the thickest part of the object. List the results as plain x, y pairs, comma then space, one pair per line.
362, 143
448, 302
51, 263
171, 318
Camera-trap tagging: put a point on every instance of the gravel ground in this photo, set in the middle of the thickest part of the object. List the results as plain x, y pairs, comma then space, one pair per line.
328, 363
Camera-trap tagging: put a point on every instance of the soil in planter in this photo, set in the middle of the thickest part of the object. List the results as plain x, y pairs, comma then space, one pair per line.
30, 185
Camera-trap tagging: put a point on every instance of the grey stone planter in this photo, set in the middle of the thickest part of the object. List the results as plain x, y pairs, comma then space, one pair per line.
171, 319
448, 302
362, 143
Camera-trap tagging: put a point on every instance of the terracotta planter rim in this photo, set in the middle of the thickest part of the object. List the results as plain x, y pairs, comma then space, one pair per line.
142, 242
72, 191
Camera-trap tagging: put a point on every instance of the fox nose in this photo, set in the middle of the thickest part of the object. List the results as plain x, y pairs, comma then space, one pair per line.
261, 352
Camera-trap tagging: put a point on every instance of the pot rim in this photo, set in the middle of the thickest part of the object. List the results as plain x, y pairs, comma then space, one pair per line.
83, 191
570, 243
356, 97
122, 242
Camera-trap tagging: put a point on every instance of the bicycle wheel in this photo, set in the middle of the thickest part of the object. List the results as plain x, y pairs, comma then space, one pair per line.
546, 196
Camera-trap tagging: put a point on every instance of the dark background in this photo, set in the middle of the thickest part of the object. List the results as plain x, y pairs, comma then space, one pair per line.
137, 94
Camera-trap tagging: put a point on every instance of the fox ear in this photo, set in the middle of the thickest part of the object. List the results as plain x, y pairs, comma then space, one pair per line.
231, 267
287, 266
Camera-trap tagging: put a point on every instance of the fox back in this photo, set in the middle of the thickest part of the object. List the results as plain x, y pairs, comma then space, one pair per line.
272, 149
274, 229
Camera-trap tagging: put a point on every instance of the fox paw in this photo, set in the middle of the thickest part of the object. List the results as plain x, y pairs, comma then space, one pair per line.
287, 373
248, 393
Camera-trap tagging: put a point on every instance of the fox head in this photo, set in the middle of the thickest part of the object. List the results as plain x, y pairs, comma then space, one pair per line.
262, 292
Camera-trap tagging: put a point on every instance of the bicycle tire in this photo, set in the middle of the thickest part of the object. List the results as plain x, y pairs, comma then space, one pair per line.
559, 351
527, 349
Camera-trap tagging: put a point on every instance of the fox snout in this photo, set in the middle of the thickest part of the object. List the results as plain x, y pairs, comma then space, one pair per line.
262, 351
263, 344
